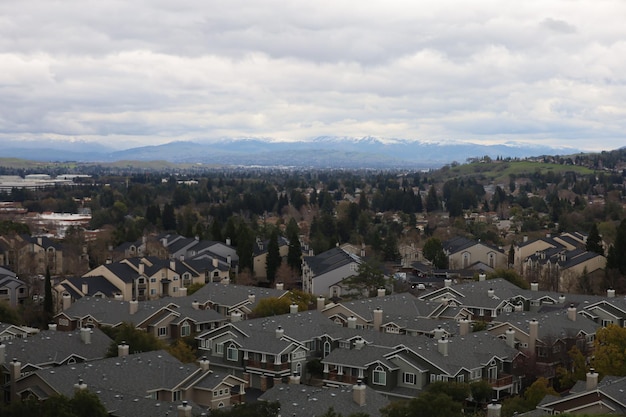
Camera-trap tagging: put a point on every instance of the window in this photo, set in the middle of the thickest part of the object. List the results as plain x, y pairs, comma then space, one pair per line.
606, 322
300, 354
232, 353
410, 378
476, 374
141, 281
460, 378
175, 277
379, 377
392, 329
177, 396
326, 349
219, 348
162, 331
185, 330
152, 280
152, 291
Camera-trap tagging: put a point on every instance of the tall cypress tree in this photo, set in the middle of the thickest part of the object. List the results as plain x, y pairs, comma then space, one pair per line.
48, 306
273, 259
294, 255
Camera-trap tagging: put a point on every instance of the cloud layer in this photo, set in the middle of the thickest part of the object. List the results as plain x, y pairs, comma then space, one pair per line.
152, 71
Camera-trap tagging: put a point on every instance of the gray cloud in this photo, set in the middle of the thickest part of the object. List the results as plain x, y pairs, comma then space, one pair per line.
151, 71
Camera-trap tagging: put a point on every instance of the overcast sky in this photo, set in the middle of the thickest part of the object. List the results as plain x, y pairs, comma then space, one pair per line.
129, 72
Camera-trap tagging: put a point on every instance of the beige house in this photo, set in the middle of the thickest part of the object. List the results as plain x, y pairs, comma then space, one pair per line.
526, 248
464, 253
260, 255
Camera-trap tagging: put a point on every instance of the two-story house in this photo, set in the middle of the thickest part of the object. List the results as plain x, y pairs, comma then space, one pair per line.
323, 274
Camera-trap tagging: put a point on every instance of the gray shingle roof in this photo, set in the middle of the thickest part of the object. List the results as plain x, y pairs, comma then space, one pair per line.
49, 347
305, 401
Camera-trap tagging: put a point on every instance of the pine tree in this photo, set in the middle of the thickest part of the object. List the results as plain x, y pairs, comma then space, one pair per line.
294, 255
594, 241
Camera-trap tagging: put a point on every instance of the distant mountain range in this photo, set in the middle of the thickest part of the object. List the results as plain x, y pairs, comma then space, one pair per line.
320, 152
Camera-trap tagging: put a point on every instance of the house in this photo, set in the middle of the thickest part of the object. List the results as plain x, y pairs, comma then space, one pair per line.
179, 247
323, 274
526, 248
13, 291
401, 366
48, 349
465, 253
36, 254
167, 318
561, 269
150, 277
156, 378
259, 255
547, 337
11, 331
307, 401
231, 300
589, 397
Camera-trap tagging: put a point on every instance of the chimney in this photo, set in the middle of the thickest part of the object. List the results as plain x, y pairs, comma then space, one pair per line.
293, 308
52, 327
519, 306
227, 241
181, 258
195, 305
118, 297
381, 292
438, 333
40, 241
610, 293
133, 306
464, 327
67, 301
15, 371
279, 332
447, 282
378, 318
351, 322
482, 277
321, 303
571, 312
280, 286
173, 264
494, 409
442, 346
592, 380
534, 286
81, 386
229, 260
85, 335
294, 379
141, 268
204, 363
491, 293
184, 410
510, 337
182, 292
84, 288
122, 349
215, 262
235, 316
525, 239
359, 344
251, 298
561, 298
358, 394
533, 333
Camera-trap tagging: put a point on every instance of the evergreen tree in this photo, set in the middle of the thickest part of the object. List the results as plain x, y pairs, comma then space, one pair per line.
432, 200
245, 246
48, 305
294, 255
273, 259
594, 241
168, 217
